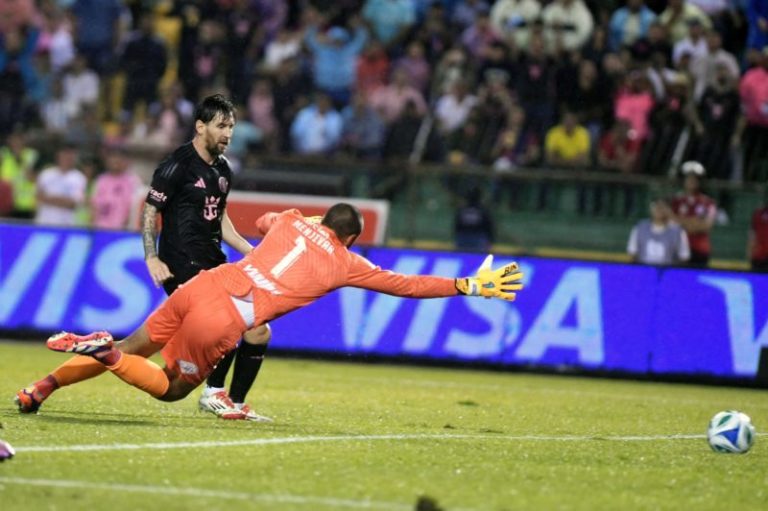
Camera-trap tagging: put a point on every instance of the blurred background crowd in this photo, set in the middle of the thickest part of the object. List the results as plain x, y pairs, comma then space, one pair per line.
621, 86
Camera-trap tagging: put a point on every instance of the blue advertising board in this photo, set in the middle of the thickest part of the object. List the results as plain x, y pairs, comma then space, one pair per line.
586, 315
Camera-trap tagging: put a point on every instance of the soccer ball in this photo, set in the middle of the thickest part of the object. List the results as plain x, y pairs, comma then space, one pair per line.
731, 432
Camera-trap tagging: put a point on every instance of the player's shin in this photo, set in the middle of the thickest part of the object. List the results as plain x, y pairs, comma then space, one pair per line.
77, 369
142, 374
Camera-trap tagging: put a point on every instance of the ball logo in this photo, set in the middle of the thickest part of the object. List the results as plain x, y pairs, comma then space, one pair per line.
211, 208
223, 184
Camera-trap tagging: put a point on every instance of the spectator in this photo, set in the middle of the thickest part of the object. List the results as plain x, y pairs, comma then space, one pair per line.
17, 75
567, 25
17, 169
390, 20
464, 145
453, 108
478, 37
515, 147
513, 20
81, 85
465, 12
496, 62
399, 144
286, 45
57, 112
695, 212
261, 111
677, 18
567, 144
96, 26
143, 61
719, 111
334, 59
754, 98
57, 40
473, 226
655, 43
704, 69
694, 44
372, 68
629, 24
415, 65
290, 92
115, 192
619, 148
757, 244
317, 127
86, 132
363, 129
658, 241
61, 189
453, 66
587, 99
672, 122
390, 100
757, 20
535, 87
207, 54
434, 34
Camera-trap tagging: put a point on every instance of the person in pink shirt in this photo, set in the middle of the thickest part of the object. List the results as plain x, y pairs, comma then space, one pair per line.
754, 103
634, 104
390, 100
114, 192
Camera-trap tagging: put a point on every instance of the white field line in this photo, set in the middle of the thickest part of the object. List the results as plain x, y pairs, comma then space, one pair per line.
352, 438
332, 503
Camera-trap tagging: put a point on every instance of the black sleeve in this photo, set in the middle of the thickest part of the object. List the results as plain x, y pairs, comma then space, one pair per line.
165, 182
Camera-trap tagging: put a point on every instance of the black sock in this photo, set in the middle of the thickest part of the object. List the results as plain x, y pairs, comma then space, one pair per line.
219, 374
247, 365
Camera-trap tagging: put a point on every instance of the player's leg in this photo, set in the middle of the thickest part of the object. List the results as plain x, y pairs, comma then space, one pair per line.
78, 368
250, 355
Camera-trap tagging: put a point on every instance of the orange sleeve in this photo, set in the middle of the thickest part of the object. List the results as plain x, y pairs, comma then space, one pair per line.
364, 274
267, 220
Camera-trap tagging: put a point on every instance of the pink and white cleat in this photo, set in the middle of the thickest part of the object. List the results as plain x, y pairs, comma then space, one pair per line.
67, 342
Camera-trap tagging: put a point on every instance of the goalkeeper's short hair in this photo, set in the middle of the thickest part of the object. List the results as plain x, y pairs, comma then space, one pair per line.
344, 219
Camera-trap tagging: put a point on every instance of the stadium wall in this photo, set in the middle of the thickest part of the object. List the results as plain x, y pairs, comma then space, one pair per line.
573, 315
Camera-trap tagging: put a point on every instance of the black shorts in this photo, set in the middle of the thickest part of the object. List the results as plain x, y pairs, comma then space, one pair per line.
182, 272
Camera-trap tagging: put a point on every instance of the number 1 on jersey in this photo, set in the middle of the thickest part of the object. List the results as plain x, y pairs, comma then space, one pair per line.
290, 258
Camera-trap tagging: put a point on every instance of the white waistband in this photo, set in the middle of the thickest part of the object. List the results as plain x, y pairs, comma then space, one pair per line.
245, 309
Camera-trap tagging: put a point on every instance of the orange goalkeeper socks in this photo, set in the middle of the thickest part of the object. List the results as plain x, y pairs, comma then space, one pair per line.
77, 369
141, 373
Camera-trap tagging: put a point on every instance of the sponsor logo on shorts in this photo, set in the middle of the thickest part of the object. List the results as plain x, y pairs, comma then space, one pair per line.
158, 196
187, 367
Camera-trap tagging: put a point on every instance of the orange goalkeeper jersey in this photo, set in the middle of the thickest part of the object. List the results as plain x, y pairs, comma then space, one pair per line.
299, 261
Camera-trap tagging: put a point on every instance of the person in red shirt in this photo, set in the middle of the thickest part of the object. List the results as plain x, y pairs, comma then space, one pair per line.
757, 245
695, 212
298, 261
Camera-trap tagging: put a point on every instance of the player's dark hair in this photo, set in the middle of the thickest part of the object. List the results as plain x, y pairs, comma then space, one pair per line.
209, 107
344, 219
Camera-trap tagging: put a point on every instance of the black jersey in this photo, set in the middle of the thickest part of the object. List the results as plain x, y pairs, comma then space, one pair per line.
191, 195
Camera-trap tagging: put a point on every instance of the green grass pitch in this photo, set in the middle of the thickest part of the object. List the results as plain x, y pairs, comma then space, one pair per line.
375, 437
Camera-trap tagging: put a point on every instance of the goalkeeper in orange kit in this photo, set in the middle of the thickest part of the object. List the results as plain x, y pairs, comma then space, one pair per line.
298, 261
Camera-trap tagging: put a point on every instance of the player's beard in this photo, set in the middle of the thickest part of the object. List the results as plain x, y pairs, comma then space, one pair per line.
216, 149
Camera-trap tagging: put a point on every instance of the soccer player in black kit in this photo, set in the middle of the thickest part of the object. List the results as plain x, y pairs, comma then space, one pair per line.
190, 189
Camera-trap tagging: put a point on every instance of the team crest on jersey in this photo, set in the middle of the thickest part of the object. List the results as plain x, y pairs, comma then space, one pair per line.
187, 367
223, 184
211, 208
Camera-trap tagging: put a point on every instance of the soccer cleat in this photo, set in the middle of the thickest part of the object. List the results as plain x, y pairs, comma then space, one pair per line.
90, 344
29, 399
250, 415
220, 405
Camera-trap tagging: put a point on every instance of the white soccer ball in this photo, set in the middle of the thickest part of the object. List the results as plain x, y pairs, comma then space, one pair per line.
731, 432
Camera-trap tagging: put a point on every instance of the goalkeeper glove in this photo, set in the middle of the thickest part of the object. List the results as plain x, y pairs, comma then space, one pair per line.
500, 283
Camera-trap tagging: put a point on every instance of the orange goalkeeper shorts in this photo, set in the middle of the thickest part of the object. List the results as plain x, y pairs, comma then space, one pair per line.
198, 324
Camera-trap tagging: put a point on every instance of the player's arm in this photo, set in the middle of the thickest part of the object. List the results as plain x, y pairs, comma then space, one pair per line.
164, 182
232, 237
267, 220
158, 270
499, 283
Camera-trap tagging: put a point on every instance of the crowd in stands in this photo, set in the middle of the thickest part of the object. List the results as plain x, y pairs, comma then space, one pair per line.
623, 86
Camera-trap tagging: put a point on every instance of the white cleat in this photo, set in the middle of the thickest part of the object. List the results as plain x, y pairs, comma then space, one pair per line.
220, 405
250, 415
